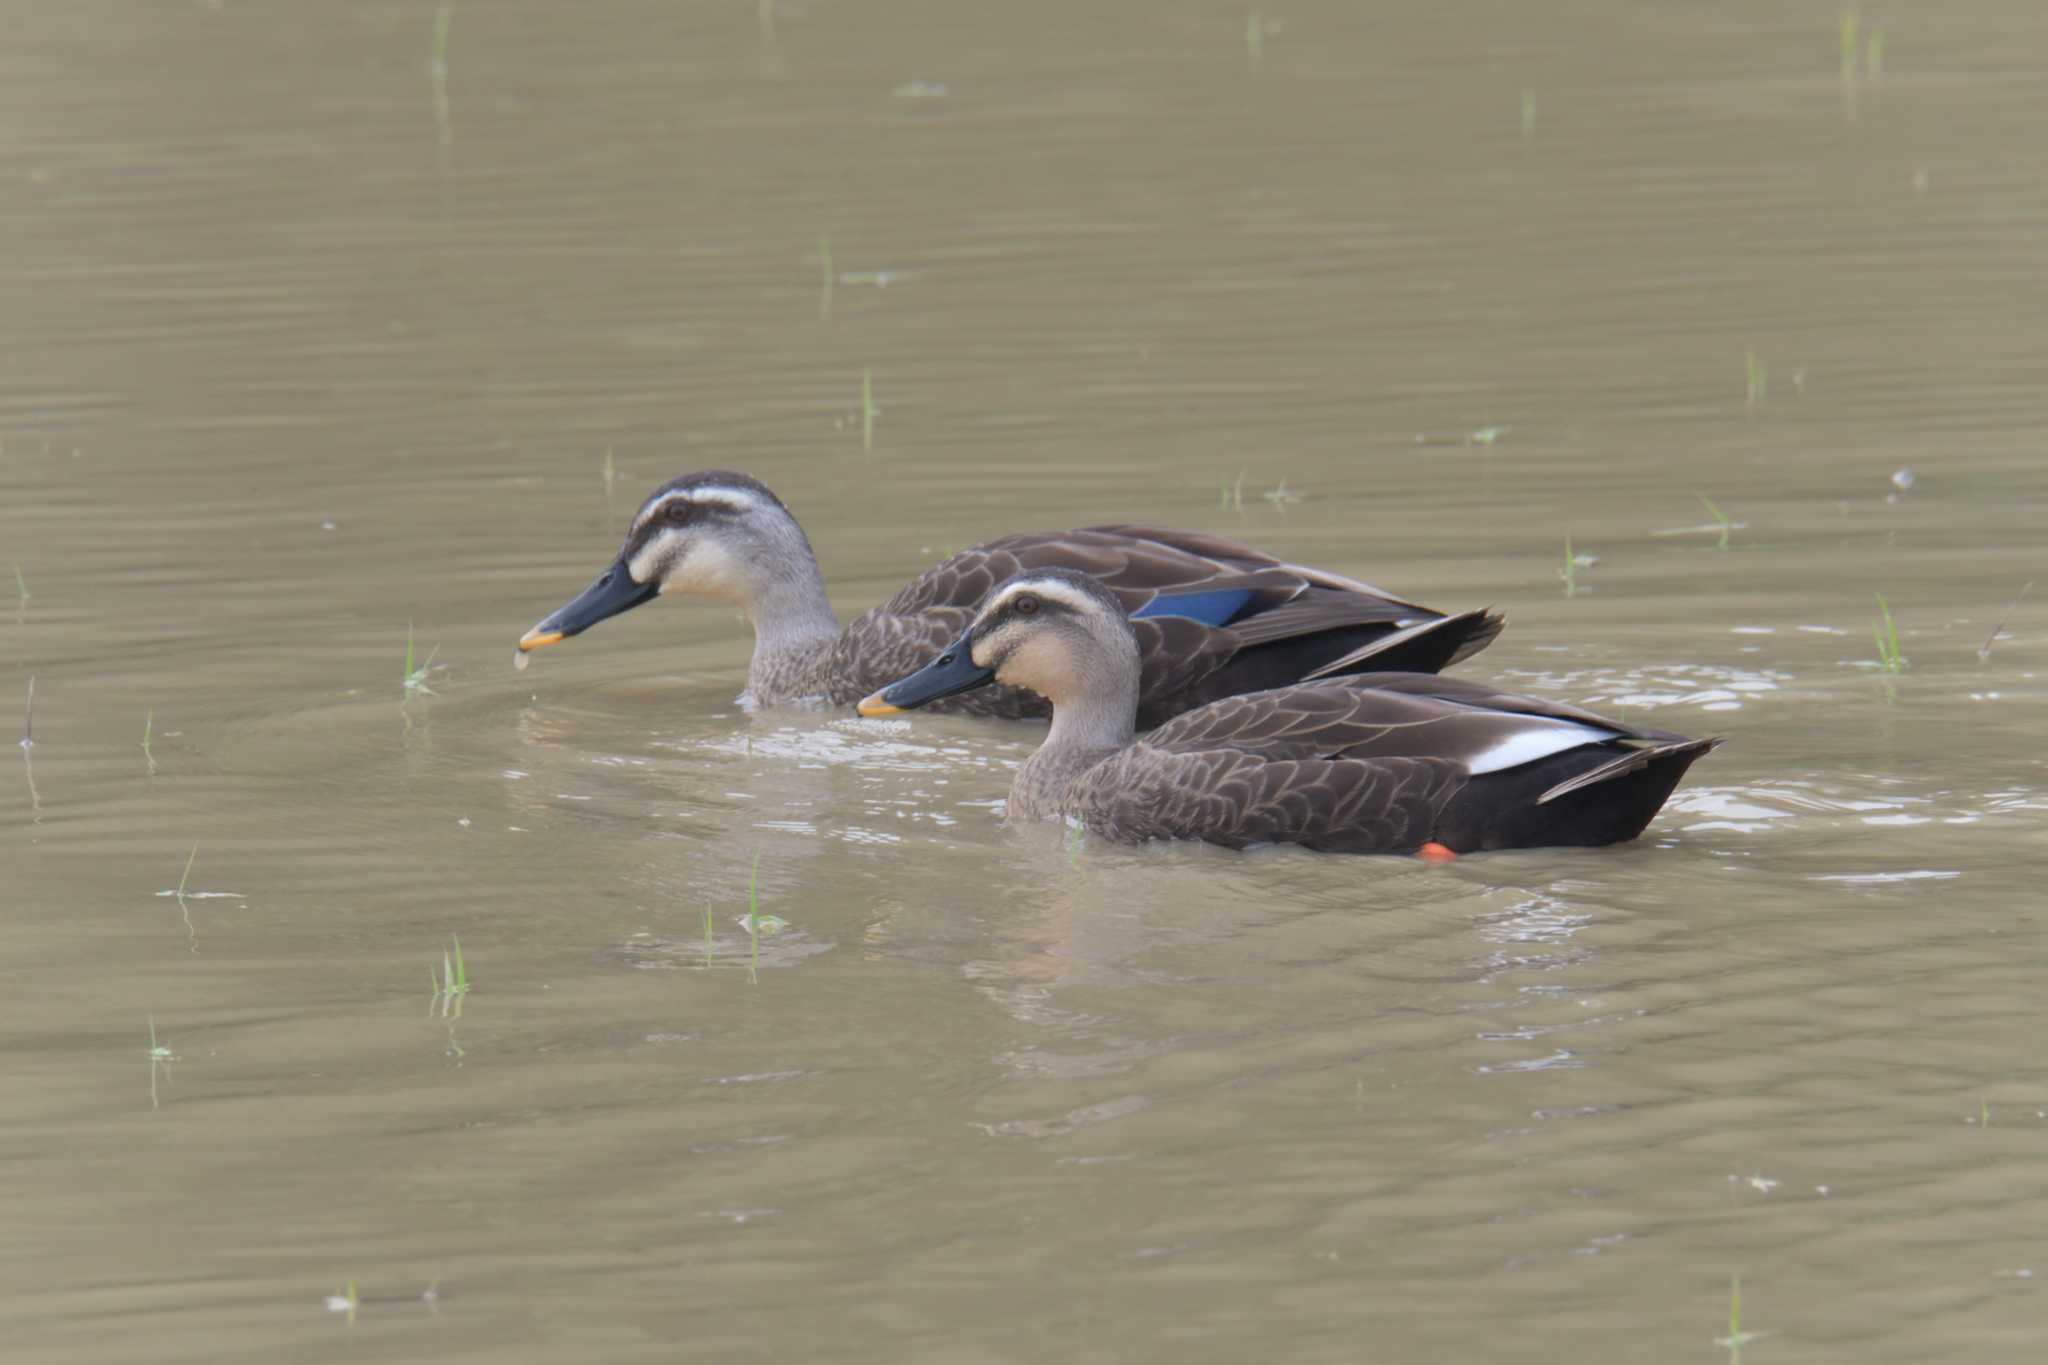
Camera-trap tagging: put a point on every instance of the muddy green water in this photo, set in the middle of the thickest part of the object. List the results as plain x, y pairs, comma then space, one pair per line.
303, 343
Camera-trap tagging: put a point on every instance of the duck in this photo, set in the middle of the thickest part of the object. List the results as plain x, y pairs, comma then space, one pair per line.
1391, 762
1213, 617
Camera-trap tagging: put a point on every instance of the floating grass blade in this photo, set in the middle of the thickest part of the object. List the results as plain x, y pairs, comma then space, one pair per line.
184, 910
1759, 381
1280, 495
148, 725
1722, 521
868, 410
28, 716
707, 938
1984, 650
1570, 572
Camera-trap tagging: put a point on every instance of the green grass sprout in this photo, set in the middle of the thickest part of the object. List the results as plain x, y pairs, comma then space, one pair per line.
1759, 379
1570, 571
1736, 1338
1889, 657
453, 982
754, 919
149, 725
160, 1056
416, 678
1720, 520
347, 1301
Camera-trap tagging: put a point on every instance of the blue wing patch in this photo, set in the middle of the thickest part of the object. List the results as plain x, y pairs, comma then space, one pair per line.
1216, 608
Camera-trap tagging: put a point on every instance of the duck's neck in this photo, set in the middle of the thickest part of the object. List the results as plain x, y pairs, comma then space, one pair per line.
794, 630
1085, 731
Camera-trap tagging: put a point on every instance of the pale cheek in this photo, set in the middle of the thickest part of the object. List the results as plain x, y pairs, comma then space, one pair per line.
645, 565
1034, 665
706, 570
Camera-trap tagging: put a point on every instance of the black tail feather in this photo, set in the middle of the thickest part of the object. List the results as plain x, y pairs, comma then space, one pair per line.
1580, 798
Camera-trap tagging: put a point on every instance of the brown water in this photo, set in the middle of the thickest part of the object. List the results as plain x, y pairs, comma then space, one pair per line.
300, 348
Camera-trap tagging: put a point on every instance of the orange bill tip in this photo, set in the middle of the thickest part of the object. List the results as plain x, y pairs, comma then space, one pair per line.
873, 705
1434, 852
534, 639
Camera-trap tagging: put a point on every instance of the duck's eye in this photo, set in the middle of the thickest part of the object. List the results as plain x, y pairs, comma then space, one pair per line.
1025, 605
678, 513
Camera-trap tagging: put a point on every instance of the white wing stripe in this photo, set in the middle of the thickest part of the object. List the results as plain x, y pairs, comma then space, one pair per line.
1535, 740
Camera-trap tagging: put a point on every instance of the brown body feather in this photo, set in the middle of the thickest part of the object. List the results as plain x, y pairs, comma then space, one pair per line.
1300, 620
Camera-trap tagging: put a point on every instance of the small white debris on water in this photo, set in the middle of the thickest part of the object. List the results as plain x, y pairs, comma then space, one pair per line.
1821, 1190
463, 821
520, 659
1902, 479
327, 526
339, 1303
1760, 1183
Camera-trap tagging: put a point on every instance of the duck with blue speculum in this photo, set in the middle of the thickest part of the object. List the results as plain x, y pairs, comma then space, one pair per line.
1244, 620
1371, 763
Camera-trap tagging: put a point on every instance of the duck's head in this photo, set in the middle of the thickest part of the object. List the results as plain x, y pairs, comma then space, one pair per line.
715, 533
1055, 632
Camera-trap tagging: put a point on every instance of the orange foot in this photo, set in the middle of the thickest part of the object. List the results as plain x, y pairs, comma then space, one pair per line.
1434, 852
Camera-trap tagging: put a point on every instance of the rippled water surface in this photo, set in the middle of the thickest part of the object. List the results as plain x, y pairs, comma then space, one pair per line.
313, 338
